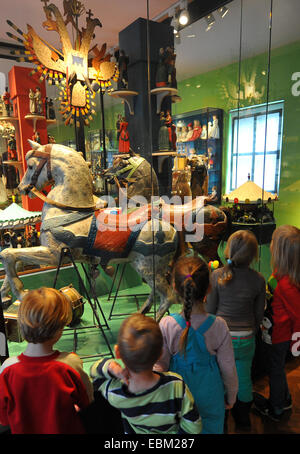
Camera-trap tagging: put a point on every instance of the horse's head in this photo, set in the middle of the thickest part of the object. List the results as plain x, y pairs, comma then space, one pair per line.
38, 172
123, 168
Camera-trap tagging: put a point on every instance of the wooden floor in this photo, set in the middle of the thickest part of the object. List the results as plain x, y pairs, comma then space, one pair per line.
291, 421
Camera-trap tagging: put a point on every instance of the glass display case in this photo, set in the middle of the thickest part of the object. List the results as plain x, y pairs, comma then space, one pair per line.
235, 107
200, 133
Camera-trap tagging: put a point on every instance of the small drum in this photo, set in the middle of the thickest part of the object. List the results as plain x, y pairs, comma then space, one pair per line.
76, 301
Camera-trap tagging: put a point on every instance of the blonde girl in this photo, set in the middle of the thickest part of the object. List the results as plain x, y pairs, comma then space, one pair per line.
238, 296
281, 323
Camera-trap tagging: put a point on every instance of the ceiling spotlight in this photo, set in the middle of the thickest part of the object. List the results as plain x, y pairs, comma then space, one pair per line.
184, 17
175, 25
223, 11
177, 38
210, 21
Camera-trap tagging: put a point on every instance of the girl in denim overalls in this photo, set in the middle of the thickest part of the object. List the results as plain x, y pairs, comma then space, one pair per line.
198, 347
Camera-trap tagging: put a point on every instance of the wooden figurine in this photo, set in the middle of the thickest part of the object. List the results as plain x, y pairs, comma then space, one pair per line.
124, 144
32, 103
38, 101
7, 103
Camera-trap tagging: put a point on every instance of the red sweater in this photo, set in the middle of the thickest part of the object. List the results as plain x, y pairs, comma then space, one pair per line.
286, 311
38, 394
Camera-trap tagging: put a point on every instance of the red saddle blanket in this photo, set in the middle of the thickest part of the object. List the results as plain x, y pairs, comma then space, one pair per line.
113, 235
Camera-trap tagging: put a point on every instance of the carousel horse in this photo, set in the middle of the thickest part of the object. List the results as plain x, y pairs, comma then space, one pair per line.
69, 219
147, 237
133, 173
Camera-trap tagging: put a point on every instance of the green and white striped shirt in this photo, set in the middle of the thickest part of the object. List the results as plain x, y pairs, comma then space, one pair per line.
166, 408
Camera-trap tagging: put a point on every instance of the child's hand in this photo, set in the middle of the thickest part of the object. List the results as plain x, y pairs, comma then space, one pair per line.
118, 371
228, 406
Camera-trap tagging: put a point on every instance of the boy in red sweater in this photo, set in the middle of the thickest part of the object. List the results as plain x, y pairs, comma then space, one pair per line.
42, 390
281, 319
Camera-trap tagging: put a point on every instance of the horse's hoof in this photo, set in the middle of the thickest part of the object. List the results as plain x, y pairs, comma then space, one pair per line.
110, 271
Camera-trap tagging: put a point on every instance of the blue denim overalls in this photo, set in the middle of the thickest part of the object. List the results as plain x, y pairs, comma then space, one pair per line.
201, 373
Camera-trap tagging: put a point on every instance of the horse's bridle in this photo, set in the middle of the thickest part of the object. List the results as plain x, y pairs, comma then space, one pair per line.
131, 168
44, 157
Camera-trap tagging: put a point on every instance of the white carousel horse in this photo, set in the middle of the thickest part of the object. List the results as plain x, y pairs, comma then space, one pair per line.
68, 216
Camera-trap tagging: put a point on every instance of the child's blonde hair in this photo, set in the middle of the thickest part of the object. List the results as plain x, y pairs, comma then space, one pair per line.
42, 313
140, 342
285, 253
241, 250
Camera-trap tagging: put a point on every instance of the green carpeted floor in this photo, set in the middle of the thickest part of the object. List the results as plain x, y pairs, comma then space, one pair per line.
91, 341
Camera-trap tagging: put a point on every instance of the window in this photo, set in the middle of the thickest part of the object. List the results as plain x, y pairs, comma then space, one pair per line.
255, 140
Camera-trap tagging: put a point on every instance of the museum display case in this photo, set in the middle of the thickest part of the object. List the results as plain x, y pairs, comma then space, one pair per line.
197, 111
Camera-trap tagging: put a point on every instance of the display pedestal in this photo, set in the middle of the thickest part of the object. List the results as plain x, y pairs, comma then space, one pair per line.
143, 126
161, 94
35, 119
17, 164
128, 96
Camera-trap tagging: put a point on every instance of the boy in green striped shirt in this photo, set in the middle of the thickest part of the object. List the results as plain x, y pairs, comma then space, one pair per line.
150, 402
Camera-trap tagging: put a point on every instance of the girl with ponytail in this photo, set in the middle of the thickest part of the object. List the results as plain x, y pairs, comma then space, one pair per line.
238, 295
198, 346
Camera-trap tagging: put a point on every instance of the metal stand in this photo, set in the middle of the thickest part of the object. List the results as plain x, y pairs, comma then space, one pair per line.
3, 340
116, 295
66, 252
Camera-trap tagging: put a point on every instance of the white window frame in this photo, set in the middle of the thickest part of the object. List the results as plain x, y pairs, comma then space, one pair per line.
253, 111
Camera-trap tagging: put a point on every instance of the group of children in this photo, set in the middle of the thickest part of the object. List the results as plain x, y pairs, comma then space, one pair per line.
180, 376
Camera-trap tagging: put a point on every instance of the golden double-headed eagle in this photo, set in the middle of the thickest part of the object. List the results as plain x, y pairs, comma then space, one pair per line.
78, 69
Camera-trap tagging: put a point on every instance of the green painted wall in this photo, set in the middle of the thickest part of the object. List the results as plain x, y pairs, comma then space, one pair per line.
219, 89
65, 133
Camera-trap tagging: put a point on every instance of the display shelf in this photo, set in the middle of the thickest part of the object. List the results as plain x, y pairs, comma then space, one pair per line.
161, 93
121, 155
17, 164
165, 153
128, 96
13, 120
51, 122
35, 119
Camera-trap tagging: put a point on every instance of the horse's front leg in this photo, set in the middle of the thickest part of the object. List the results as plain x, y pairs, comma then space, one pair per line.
39, 255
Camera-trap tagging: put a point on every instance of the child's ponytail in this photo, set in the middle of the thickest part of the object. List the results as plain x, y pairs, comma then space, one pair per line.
188, 295
191, 281
227, 273
241, 250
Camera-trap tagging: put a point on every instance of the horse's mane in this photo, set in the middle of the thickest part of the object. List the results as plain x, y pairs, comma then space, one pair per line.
70, 151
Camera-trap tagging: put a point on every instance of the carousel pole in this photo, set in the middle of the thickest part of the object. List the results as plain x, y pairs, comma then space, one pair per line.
103, 153
79, 130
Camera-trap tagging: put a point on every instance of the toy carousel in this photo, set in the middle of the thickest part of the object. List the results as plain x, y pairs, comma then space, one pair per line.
252, 208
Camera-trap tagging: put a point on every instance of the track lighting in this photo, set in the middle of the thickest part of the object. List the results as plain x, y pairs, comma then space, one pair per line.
175, 25
177, 38
184, 17
223, 11
210, 21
